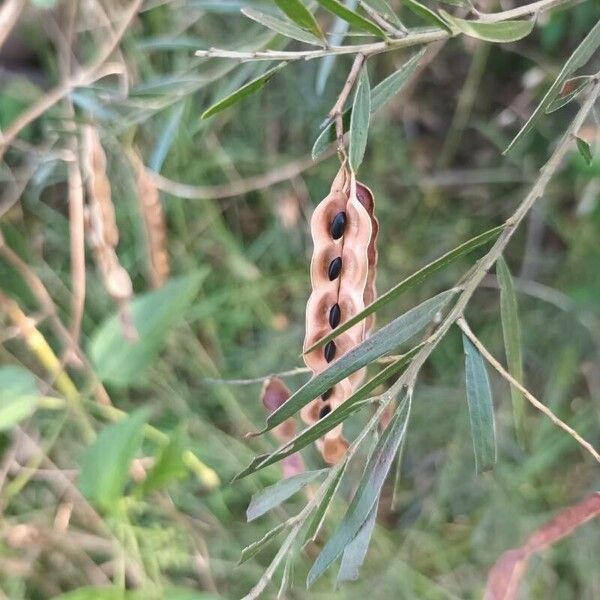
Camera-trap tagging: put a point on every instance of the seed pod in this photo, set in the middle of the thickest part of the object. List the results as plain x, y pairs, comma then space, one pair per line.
274, 393
344, 252
153, 218
101, 225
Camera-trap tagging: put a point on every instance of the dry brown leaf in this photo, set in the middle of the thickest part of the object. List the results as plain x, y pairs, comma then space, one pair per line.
154, 223
505, 576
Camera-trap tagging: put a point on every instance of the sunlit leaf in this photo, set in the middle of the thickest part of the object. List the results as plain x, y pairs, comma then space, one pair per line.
124, 362
105, 464
359, 121
19, 396
352, 17
481, 408
272, 496
578, 59
282, 27
367, 493
383, 341
511, 330
298, 13
247, 89
503, 31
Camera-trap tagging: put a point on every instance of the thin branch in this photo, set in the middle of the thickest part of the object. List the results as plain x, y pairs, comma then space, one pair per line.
535, 8
85, 77
337, 111
530, 397
383, 23
9, 15
237, 188
412, 38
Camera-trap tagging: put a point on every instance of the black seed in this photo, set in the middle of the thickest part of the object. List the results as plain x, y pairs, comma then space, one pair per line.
329, 351
326, 395
335, 266
335, 314
338, 225
324, 411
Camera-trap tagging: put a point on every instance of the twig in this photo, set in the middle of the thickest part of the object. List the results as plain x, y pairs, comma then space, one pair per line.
85, 77
337, 111
383, 23
412, 38
237, 188
532, 399
9, 15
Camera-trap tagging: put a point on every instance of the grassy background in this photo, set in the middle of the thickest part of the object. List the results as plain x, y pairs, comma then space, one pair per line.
247, 320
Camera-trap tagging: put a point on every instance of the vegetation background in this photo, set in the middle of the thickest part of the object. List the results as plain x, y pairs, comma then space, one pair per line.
239, 249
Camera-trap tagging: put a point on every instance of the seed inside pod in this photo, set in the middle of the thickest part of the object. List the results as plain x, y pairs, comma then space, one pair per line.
325, 396
338, 225
335, 266
329, 351
335, 314
324, 411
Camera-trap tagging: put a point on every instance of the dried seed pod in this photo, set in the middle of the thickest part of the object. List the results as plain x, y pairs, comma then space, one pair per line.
101, 225
274, 393
154, 223
343, 229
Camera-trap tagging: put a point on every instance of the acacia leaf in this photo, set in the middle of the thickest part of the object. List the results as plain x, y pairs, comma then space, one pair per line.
481, 408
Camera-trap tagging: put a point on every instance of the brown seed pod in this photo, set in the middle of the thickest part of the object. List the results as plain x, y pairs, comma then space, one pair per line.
344, 231
154, 223
101, 224
274, 393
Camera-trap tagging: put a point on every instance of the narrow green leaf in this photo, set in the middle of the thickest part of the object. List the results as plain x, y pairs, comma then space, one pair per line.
578, 59
245, 90
274, 495
298, 13
576, 85
105, 464
367, 493
356, 551
169, 464
283, 27
503, 31
253, 549
426, 13
153, 314
380, 95
359, 121
383, 341
319, 516
411, 281
357, 401
18, 396
352, 17
511, 330
14, 409
386, 11
584, 150
481, 408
